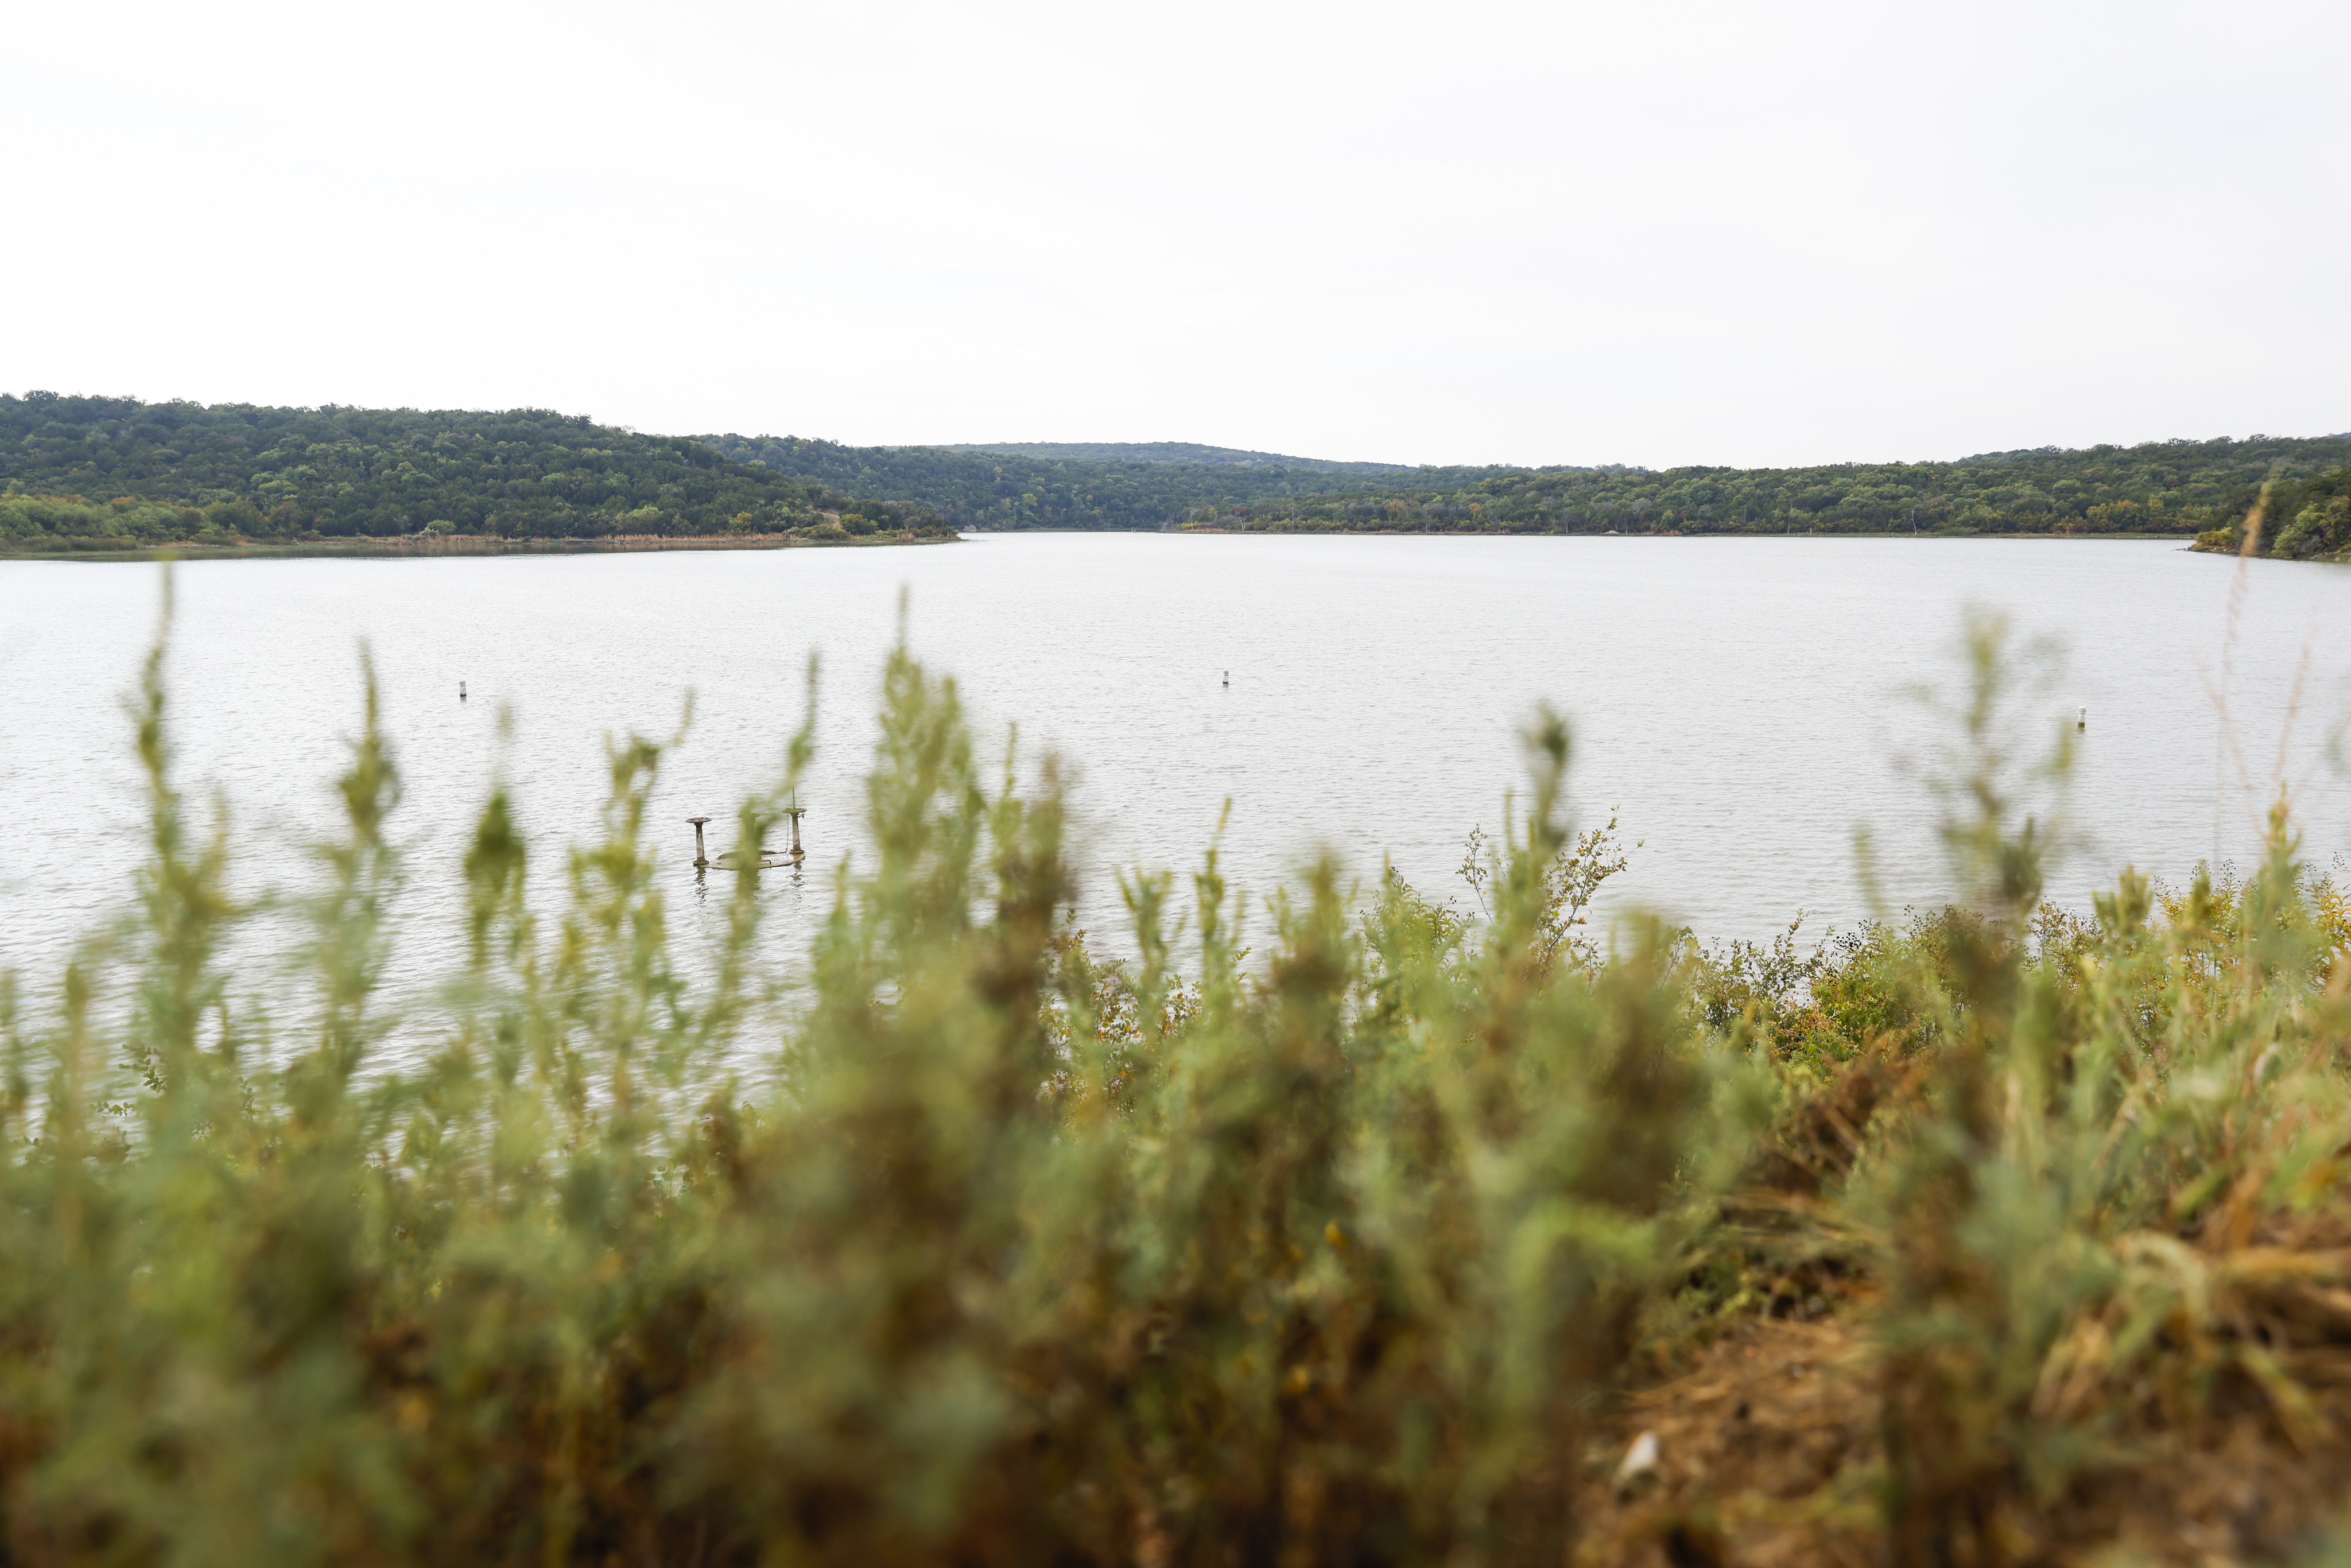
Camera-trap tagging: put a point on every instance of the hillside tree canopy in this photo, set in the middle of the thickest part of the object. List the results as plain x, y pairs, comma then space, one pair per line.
104, 466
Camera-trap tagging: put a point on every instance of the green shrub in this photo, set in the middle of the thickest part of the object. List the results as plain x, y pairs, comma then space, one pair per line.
1025, 1257
974, 1247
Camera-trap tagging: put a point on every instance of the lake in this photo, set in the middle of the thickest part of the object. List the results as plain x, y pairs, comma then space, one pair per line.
1739, 702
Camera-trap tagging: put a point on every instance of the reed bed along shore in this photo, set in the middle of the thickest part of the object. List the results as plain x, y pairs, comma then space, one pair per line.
1392, 1230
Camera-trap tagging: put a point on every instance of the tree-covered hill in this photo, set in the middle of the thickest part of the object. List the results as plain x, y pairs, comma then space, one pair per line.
78, 466
1003, 489
2307, 518
2171, 487
119, 467
1169, 452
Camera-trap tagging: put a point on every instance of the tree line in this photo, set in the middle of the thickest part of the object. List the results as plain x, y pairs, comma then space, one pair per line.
120, 468
1005, 488
2174, 487
2303, 518
2169, 487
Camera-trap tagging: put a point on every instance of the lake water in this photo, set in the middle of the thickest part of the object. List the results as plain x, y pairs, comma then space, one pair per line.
1739, 701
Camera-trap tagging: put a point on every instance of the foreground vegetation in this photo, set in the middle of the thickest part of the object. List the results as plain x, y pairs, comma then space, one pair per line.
1382, 1235
120, 470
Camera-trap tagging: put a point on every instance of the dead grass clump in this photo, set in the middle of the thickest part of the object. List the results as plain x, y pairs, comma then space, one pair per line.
1768, 1455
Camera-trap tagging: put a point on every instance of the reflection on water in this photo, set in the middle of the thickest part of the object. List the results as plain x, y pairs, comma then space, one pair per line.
775, 873
1738, 700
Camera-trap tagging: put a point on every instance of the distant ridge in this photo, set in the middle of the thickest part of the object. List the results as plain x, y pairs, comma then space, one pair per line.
117, 469
1079, 485
2159, 487
1167, 451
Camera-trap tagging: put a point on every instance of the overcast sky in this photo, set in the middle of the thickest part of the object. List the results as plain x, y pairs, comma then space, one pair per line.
1664, 233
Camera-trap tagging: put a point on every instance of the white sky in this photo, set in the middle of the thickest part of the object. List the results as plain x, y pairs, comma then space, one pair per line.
1656, 232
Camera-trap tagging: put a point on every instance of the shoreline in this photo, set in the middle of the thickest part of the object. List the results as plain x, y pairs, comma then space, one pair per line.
1559, 534
451, 544
412, 547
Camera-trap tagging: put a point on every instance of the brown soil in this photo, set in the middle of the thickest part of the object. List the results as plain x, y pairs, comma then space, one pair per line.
1768, 1455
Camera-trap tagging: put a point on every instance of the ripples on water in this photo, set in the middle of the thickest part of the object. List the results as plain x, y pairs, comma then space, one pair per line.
1740, 700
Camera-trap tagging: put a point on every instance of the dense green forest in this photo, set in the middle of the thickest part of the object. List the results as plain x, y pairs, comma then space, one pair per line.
1003, 489
2305, 519
2169, 487
119, 468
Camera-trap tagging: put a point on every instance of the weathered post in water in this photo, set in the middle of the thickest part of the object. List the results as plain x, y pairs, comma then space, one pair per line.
700, 860
794, 812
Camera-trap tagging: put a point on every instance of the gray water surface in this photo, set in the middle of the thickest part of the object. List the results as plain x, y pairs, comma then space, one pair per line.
1739, 701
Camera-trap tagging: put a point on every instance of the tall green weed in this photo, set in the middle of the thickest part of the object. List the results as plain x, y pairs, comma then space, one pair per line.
981, 1249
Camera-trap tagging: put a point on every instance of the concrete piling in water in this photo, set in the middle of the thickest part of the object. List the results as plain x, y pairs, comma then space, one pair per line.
741, 858
2081, 719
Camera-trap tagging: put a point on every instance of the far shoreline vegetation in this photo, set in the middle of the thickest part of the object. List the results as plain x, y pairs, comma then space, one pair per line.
427, 547
2170, 489
2140, 536
86, 475
96, 477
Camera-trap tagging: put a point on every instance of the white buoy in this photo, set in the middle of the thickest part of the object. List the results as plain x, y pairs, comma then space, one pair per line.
2081, 719
1229, 677
461, 691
